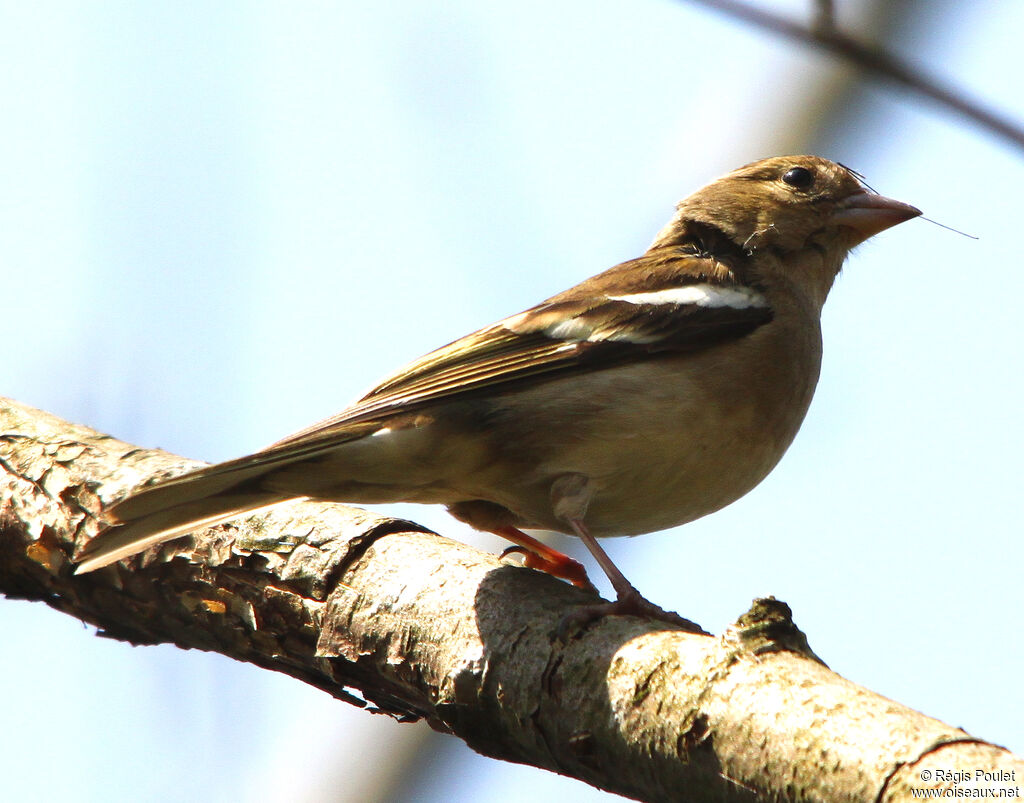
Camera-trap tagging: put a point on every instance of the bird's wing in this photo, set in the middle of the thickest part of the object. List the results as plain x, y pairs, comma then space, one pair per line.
653, 305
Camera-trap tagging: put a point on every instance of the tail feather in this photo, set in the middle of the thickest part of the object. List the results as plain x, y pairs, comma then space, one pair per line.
203, 498
179, 506
195, 486
124, 540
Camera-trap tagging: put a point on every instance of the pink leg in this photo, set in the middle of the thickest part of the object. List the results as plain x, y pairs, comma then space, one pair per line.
539, 555
628, 600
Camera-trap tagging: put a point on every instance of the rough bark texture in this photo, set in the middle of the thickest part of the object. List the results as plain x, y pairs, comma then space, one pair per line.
379, 610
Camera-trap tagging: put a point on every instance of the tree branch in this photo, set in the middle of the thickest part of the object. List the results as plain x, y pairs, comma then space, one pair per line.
823, 33
380, 610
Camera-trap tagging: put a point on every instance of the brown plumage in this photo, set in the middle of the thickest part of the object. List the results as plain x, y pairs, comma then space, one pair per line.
644, 397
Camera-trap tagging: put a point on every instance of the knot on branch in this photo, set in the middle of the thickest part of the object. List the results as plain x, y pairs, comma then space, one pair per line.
768, 627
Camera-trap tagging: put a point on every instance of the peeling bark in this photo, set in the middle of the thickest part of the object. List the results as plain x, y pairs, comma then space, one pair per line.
380, 612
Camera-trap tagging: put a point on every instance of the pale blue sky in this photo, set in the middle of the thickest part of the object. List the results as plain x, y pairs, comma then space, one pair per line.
221, 222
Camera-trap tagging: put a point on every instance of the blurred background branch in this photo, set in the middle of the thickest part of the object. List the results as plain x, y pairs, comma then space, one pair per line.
824, 32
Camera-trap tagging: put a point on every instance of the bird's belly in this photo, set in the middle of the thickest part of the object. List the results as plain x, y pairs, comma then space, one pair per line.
657, 453
673, 473
673, 481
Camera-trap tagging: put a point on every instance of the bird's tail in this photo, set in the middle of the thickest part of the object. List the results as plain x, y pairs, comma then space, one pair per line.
192, 501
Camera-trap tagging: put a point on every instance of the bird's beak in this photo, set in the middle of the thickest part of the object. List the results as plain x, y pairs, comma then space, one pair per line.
867, 214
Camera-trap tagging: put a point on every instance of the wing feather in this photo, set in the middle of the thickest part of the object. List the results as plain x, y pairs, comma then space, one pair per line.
636, 310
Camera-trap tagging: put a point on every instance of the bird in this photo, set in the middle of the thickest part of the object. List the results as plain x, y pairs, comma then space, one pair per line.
645, 397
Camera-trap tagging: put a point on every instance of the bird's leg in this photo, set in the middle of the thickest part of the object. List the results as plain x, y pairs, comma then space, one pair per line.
570, 495
492, 518
538, 555
628, 601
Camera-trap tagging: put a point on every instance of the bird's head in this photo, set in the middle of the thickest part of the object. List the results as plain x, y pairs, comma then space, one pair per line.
788, 203
784, 220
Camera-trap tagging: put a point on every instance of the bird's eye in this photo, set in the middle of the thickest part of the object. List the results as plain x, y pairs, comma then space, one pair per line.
799, 178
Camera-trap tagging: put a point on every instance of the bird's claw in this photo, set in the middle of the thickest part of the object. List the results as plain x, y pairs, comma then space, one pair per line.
630, 603
564, 568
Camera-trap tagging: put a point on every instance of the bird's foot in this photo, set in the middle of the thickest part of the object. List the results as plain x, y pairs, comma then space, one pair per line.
630, 602
554, 563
